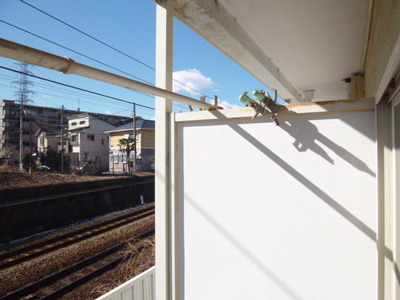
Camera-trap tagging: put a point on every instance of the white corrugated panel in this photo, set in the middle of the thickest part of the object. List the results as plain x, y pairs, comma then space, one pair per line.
140, 287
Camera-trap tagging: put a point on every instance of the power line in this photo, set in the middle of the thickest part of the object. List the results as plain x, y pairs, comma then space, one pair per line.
107, 45
181, 106
76, 52
77, 88
55, 89
88, 35
70, 92
63, 97
50, 87
69, 99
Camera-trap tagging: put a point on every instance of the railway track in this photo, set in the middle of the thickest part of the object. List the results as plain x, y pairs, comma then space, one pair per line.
17, 256
60, 283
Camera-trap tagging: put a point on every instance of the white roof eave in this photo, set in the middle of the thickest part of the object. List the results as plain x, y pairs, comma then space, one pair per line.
214, 23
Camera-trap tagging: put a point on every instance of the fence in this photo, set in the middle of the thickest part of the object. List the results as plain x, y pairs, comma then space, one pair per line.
141, 287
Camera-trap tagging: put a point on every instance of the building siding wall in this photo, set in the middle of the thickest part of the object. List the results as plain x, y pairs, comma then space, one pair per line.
290, 210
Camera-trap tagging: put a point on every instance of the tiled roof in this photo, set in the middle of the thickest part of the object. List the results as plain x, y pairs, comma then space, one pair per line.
140, 124
48, 131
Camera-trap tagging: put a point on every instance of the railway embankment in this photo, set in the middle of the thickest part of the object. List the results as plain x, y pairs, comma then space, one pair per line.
30, 210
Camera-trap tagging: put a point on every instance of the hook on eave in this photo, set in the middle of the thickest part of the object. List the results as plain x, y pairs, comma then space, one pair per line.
203, 99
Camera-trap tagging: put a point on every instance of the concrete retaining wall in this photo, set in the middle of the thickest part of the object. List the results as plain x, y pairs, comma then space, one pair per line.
18, 221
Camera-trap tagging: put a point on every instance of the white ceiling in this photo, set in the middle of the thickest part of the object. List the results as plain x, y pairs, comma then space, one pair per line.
291, 45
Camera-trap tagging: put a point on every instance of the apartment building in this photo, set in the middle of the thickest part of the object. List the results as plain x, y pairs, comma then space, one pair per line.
37, 118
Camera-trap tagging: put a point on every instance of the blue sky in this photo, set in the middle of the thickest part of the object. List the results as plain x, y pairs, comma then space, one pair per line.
128, 25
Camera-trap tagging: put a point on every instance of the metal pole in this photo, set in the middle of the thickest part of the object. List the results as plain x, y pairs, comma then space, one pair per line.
164, 69
21, 132
68, 66
134, 137
30, 145
62, 139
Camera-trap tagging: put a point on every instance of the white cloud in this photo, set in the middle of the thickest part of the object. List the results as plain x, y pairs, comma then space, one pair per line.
226, 104
192, 80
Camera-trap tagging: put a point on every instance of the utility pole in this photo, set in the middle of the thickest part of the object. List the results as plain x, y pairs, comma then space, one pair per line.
21, 134
30, 145
23, 96
62, 139
134, 137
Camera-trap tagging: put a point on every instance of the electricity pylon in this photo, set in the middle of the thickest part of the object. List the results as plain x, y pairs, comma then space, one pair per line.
23, 95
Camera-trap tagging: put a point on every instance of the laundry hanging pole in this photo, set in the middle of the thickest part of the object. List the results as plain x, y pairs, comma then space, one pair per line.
67, 65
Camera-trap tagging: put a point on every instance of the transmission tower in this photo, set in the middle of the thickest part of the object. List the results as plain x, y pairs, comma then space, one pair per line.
23, 95
24, 92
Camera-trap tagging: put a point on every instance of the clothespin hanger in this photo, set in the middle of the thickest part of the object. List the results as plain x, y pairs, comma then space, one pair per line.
265, 105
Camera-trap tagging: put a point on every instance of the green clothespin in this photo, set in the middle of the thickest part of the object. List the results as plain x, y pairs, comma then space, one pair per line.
245, 99
259, 94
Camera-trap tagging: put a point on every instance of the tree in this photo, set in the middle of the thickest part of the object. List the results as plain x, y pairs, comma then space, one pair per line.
51, 159
9, 158
127, 146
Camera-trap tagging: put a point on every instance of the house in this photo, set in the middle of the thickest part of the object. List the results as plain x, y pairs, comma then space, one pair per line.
88, 142
145, 131
47, 138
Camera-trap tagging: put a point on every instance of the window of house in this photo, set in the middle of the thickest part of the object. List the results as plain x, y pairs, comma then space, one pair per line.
73, 123
90, 137
102, 141
81, 122
116, 158
124, 158
74, 138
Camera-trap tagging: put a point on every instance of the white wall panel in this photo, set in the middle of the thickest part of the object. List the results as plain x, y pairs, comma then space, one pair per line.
140, 287
270, 212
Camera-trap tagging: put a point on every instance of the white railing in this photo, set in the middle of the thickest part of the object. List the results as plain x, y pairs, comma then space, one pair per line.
141, 287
